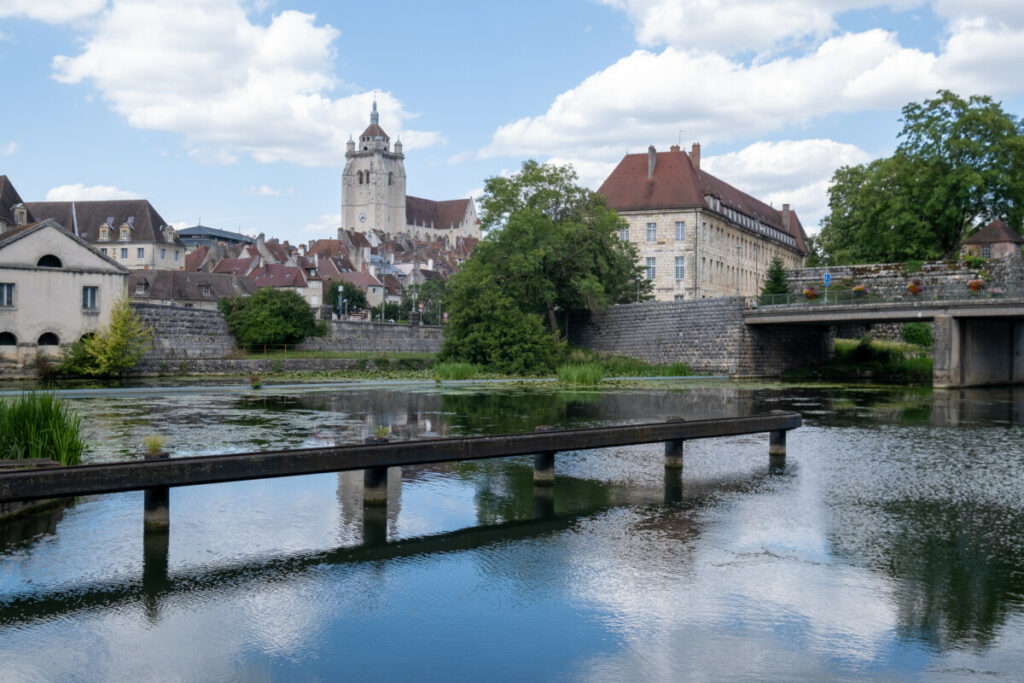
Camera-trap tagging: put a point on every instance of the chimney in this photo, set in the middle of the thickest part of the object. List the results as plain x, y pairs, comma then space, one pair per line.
652, 159
674, 148
785, 216
695, 155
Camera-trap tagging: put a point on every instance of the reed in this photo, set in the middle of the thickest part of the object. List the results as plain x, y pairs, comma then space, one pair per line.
454, 370
581, 373
40, 426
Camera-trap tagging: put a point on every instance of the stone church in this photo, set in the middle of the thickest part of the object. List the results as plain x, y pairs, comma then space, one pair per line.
373, 194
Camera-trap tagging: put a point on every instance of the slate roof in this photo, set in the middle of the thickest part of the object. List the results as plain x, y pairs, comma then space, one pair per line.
185, 286
25, 230
203, 231
8, 197
677, 184
996, 231
374, 131
146, 223
446, 214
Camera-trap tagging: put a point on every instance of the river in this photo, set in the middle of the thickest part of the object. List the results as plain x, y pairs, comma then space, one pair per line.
889, 547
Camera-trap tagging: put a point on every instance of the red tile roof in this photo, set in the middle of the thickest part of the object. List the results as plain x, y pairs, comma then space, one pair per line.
361, 279
238, 266
996, 231
677, 184
194, 259
278, 275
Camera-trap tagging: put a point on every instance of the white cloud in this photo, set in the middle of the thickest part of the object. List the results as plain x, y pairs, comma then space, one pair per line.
236, 88
324, 227
80, 193
11, 149
795, 172
261, 191
51, 11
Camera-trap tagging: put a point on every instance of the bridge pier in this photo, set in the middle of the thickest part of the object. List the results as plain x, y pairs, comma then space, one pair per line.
375, 487
156, 515
674, 449
976, 352
544, 463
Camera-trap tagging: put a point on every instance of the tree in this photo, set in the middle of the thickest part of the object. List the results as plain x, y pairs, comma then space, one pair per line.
431, 294
355, 297
270, 317
112, 350
960, 163
552, 248
776, 282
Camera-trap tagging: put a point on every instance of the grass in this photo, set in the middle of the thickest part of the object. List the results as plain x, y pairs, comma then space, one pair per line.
154, 444
40, 426
620, 366
869, 359
292, 354
455, 370
585, 373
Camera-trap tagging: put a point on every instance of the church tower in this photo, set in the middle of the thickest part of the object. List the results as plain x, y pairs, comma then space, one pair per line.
373, 182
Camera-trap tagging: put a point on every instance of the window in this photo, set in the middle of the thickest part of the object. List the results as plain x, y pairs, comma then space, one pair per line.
206, 290
141, 252
8, 339
126, 234
6, 294
175, 256
140, 287
650, 267
89, 297
103, 250
49, 261
652, 232
680, 267
124, 252
624, 234
986, 250
680, 231
104, 233
163, 253
49, 339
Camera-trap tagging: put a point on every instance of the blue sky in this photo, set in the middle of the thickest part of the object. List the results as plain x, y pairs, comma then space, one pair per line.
236, 112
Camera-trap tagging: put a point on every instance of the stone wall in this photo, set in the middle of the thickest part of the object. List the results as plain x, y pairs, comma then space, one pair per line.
891, 279
254, 366
377, 337
192, 333
180, 333
707, 334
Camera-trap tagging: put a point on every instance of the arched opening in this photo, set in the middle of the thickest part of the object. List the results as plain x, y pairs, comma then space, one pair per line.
8, 339
49, 339
87, 336
49, 261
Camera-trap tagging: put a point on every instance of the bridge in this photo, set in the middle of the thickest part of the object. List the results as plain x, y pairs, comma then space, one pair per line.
979, 341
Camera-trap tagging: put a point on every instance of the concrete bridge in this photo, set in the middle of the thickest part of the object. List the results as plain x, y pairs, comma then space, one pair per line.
978, 342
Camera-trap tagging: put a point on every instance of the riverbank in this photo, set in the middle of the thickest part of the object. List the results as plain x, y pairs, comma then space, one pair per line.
870, 360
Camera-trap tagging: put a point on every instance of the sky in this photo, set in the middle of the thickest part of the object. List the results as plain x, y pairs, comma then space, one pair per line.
235, 113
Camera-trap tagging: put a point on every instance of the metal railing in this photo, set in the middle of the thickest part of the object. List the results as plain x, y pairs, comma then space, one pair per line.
846, 297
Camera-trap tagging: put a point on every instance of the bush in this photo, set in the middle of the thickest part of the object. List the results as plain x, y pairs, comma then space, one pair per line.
111, 351
40, 426
588, 373
270, 317
917, 333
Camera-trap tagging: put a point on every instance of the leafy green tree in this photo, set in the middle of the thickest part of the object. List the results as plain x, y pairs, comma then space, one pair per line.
431, 294
552, 248
270, 317
113, 350
356, 297
390, 310
776, 282
960, 162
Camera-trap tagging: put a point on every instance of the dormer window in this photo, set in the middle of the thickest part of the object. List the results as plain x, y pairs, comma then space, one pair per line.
126, 233
205, 289
20, 215
104, 233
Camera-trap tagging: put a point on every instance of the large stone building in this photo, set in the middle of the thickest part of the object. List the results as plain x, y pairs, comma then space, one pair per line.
698, 236
373, 194
54, 288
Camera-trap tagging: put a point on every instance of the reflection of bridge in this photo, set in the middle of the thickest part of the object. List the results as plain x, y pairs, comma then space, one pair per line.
978, 342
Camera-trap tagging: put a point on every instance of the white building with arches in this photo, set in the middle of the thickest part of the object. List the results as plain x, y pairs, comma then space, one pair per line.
55, 288
373, 196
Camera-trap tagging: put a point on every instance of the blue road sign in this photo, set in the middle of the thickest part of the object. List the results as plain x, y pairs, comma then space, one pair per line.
828, 279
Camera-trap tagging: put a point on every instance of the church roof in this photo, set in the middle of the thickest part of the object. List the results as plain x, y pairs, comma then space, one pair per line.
996, 231
427, 212
678, 184
374, 131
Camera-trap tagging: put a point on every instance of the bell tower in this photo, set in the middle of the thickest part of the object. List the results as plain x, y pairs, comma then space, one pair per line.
373, 182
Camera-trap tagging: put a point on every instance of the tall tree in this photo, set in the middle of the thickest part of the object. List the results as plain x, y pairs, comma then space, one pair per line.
552, 248
959, 163
776, 281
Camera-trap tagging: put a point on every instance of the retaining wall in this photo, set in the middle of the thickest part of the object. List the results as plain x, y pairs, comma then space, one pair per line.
377, 337
891, 279
706, 334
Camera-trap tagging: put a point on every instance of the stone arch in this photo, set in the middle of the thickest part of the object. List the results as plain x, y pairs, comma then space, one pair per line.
49, 261
48, 339
8, 339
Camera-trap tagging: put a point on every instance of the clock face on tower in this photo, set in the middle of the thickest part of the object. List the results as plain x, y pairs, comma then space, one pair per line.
362, 218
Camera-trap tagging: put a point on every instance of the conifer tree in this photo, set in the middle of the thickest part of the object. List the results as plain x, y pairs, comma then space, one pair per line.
777, 283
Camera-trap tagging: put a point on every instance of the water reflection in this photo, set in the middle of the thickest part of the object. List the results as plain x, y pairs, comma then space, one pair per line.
889, 543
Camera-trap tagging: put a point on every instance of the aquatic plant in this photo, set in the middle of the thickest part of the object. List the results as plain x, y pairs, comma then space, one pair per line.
255, 382
455, 370
154, 444
382, 432
40, 426
586, 373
